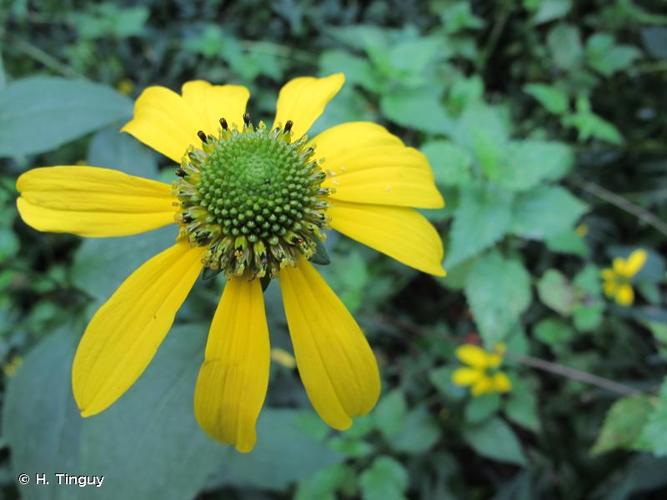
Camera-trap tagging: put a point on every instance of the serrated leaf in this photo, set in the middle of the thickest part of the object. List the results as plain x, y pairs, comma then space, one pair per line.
564, 42
530, 163
419, 109
498, 291
521, 405
552, 98
452, 165
385, 479
482, 217
607, 57
553, 332
38, 114
482, 407
419, 433
567, 242
653, 435
623, 424
545, 211
496, 440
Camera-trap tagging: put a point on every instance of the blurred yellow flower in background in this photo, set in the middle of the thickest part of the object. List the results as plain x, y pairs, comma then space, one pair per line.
616, 280
482, 372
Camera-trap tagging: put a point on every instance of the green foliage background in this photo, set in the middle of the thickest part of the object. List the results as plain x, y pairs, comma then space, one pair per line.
537, 115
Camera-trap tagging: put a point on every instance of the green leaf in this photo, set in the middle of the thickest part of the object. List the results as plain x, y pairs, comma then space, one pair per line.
552, 98
521, 405
385, 479
623, 424
452, 165
357, 70
654, 433
554, 332
111, 148
482, 217
324, 483
496, 440
606, 57
589, 125
564, 43
498, 291
441, 378
481, 408
489, 142
545, 211
390, 413
3, 75
419, 109
530, 163
567, 242
102, 264
550, 10
556, 292
38, 114
419, 433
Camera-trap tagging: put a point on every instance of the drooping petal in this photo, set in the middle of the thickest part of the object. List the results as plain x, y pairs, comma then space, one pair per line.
632, 265
212, 102
336, 364
302, 100
625, 295
401, 233
126, 331
232, 382
367, 164
466, 376
93, 202
473, 355
164, 121
483, 386
501, 382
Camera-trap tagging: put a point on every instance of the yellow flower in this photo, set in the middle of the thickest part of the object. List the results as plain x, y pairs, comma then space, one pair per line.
616, 280
125, 86
481, 373
253, 202
12, 365
283, 358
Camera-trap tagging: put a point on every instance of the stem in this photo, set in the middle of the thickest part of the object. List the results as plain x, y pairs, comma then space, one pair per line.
578, 375
496, 31
622, 203
46, 59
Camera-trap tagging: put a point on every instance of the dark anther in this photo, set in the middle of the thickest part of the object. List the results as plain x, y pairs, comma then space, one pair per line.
288, 125
180, 172
223, 123
246, 119
202, 136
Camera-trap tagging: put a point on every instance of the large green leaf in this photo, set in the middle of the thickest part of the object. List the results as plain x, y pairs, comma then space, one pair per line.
545, 211
385, 479
452, 165
496, 440
111, 148
498, 291
38, 114
418, 109
148, 444
530, 163
623, 423
482, 217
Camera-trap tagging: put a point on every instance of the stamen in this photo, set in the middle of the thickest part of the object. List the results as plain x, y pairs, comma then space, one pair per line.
246, 119
288, 125
223, 124
202, 136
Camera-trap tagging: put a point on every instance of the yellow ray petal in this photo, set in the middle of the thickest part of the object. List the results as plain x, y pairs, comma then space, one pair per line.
126, 331
483, 386
164, 121
401, 233
93, 202
232, 382
473, 355
303, 100
366, 164
466, 376
334, 360
634, 263
212, 102
625, 295
501, 382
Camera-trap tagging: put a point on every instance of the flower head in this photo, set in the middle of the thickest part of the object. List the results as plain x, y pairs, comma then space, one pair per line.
254, 202
617, 280
482, 372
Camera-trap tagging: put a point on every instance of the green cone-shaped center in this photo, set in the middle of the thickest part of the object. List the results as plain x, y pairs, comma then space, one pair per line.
254, 198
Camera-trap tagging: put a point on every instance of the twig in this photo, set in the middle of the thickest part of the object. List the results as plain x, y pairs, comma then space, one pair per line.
622, 203
578, 375
46, 59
